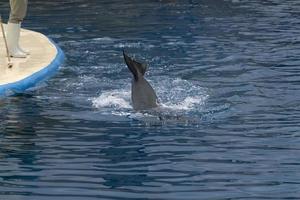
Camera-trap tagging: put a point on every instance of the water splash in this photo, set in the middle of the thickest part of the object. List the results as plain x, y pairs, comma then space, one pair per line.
181, 95
116, 99
179, 100
189, 103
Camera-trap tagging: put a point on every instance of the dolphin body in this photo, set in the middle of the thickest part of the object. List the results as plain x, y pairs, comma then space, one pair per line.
143, 96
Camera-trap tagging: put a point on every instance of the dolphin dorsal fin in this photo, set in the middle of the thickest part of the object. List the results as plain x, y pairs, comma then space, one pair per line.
135, 67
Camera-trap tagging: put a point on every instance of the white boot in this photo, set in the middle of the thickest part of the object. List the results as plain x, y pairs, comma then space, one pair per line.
21, 49
13, 35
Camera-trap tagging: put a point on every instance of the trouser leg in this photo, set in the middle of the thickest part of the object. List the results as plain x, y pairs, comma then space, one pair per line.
18, 10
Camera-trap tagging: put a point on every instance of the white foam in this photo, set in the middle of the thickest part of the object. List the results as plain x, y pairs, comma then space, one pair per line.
114, 98
189, 103
181, 95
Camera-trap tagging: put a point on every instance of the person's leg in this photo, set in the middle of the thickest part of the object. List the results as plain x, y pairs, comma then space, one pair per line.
18, 10
17, 14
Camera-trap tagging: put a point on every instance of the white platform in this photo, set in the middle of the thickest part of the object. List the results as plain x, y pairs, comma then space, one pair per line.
43, 54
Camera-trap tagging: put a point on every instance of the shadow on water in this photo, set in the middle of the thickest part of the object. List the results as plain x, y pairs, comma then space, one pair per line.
18, 122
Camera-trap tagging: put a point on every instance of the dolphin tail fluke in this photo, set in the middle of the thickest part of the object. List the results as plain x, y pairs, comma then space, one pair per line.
136, 68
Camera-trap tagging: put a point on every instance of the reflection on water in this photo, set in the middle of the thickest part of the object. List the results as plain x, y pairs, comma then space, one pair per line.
226, 73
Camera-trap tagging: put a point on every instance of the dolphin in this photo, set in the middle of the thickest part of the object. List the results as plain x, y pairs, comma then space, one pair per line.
143, 96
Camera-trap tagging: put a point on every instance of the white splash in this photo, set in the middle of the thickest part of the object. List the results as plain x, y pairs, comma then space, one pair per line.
189, 103
176, 96
114, 98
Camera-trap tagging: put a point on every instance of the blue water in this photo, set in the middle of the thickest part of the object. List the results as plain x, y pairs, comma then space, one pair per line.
228, 78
